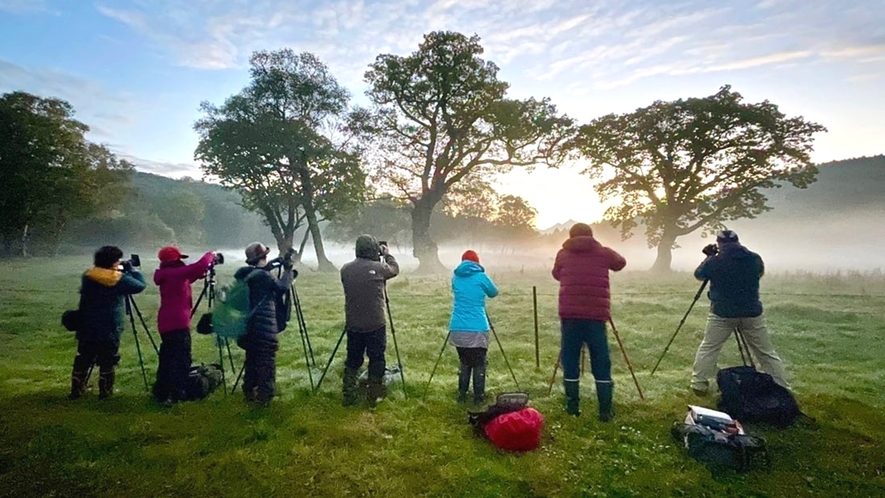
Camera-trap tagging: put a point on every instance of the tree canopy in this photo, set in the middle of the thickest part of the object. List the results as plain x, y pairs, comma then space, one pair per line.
694, 163
441, 116
51, 173
282, 142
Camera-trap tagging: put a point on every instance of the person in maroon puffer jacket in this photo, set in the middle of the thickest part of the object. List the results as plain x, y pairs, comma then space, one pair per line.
582, 267
174, 277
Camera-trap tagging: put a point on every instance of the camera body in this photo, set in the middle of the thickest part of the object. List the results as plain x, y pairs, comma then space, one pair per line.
132, 263
382, 244
218, 258
710, 250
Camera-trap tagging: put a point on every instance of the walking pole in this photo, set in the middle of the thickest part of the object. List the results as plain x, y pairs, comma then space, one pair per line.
696, 297
438, 358
329, 364
553, 377
502, 352
399, 361
537, 342
624, 352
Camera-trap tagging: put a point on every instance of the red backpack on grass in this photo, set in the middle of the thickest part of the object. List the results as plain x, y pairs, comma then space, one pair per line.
510, 424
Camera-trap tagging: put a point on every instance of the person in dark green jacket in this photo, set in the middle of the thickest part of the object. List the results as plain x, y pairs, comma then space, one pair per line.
102, 297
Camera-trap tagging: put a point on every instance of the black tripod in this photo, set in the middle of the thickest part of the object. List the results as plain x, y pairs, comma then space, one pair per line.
696, 297
395, 347
208, 292
495, 334
292, 301
130, 305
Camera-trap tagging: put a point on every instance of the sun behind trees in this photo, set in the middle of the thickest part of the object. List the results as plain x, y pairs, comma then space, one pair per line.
694, 164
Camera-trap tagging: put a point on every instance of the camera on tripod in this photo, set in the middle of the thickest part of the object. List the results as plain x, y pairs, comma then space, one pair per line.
710, 250
130, 264
380, 244
286, 259
217, 258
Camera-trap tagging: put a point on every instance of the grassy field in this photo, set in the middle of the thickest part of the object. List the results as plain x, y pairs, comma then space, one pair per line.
828, 328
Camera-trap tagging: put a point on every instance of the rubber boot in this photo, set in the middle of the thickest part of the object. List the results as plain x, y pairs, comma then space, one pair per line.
376, 391
78, 383
572, 398
349, 386
463, 382
604, 391
479, 384
106, 382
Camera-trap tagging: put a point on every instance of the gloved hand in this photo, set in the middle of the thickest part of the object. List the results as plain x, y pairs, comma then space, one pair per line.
289, 259
710, 250
385, 251
127, 266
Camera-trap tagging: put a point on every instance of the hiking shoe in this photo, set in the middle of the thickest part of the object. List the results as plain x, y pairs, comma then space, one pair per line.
606, 416
573, 409
462, 397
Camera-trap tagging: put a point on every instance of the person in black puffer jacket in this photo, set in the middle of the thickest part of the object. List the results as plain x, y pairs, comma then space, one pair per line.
260, 340
102, 297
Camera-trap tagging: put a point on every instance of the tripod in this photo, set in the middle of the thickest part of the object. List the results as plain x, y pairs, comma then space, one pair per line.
395, 347
696, 297
495, 334
623, 353
130, 305
208, 292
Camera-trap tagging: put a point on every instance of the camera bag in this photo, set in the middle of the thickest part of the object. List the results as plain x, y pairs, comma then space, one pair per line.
752, 396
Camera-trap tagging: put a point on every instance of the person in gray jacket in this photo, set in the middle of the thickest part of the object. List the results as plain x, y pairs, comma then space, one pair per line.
364, 280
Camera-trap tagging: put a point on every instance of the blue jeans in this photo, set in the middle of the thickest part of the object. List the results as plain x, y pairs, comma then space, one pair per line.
576, 333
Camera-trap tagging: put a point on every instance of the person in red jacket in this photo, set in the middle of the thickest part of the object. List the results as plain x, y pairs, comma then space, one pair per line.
174, 278
582, 267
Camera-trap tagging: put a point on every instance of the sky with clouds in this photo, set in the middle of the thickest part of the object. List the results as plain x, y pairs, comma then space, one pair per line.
137, 70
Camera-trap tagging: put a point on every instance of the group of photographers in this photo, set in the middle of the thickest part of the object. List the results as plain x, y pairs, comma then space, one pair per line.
581, 267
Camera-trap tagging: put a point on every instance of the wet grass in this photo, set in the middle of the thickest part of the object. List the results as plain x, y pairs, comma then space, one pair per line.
828, 328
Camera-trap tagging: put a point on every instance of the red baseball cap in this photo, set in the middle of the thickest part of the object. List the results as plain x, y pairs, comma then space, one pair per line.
170, 253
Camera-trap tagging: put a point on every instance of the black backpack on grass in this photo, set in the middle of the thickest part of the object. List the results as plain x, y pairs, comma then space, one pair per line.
752, 396
714, 448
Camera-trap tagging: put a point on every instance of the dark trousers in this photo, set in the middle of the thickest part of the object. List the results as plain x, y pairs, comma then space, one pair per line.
175, 363
105, 354
473, 363
260, 369
371, 344
576, 333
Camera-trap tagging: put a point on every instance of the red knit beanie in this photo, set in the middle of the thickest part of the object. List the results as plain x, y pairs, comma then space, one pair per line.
470, 255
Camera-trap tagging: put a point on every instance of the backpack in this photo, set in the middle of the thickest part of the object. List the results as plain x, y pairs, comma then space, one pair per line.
752, 396
716, 447
202, 380
510, 424
231, 313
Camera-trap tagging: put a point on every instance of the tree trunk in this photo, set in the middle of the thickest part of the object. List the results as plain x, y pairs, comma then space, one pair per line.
665, 253
25, 237
313, 226
423, 247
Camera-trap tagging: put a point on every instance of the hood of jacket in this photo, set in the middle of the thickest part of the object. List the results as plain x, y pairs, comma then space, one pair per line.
104, 276
367, 248
581, 243
735, 250
467, 268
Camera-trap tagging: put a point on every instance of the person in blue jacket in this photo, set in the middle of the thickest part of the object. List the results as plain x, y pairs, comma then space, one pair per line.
469, 326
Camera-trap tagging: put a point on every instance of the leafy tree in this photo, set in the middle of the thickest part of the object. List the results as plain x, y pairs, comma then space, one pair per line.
183, 211
51, 173
282, 142
694, 164
384, 217
516, 217
440, 115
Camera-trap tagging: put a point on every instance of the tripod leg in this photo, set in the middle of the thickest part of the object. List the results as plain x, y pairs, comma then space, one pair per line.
553, 377
129, 304
624, 352
399, 360
230, 356
329, 364
438, 358
307, 356
302, 325
505, 356
144, 325
696, 297
237, 380
221, 364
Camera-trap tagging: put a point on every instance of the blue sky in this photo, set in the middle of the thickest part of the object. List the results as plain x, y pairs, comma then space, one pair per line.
137, 70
